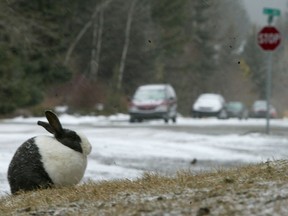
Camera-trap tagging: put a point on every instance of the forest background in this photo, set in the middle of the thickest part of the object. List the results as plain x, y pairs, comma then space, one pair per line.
82, 54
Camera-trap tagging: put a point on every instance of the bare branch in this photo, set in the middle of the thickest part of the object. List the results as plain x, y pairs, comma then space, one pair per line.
75, 42
84, 29
126, 43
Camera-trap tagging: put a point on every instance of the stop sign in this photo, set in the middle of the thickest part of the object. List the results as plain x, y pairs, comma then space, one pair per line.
269, 38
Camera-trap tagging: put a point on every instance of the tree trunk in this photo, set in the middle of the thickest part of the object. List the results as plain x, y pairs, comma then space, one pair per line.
126, 43
99, 41
84, 29
93, 62
96, 45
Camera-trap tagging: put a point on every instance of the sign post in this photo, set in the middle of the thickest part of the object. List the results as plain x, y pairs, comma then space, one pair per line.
271, 12
269, 39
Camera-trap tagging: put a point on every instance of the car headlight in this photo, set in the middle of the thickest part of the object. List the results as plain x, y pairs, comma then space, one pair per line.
216, 108
132, 107
196, 107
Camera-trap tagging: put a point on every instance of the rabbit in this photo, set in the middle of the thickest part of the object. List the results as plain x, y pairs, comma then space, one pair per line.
45, 161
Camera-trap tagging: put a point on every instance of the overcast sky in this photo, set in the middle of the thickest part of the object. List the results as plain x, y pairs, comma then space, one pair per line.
255, 9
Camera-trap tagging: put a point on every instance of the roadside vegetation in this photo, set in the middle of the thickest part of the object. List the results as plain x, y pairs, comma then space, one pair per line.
259, 189
88, 54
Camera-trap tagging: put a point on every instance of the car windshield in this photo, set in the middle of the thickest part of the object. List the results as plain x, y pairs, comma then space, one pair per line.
260, 104
209, 97
234, 106
149, 94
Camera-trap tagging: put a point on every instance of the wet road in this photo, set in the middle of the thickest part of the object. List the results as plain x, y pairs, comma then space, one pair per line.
217, 129
227, 129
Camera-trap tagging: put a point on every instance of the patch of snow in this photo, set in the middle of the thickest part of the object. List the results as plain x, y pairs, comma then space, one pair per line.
127, 150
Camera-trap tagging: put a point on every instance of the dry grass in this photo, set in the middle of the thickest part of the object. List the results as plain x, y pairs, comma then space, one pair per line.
251, 190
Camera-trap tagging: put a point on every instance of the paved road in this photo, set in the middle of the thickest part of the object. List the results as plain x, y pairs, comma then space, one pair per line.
226, 129
218, 129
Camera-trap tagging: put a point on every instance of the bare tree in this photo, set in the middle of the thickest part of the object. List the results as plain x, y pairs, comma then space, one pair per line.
126, 43
93, 63
98, 8
96, 45
99, 41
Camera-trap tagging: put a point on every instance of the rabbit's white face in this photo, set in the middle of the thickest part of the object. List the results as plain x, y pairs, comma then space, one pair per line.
85, 144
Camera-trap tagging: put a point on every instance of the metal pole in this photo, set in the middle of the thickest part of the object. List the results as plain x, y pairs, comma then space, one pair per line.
268, 91
268, 82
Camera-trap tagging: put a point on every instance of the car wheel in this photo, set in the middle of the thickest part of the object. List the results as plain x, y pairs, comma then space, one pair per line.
222, 114
166, 120
197, 115
132, 120
174, 119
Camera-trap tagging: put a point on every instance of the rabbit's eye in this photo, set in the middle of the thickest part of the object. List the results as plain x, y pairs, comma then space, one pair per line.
71, 140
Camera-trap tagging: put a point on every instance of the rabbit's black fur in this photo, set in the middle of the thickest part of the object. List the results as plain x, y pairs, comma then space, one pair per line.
24, 175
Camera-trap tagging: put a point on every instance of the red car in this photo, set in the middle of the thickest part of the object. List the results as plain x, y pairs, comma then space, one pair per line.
156, 101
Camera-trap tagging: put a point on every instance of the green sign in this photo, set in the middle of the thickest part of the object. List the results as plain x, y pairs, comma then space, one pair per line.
271, 11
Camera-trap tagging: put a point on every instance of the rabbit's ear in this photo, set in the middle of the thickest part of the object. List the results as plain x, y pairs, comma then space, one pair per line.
54, 122
46, 126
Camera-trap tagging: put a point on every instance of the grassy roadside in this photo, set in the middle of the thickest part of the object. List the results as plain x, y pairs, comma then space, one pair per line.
260, 189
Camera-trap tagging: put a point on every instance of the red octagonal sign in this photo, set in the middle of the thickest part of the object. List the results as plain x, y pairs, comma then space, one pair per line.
269, 38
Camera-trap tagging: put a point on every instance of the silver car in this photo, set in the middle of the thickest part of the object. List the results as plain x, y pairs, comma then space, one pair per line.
209, 104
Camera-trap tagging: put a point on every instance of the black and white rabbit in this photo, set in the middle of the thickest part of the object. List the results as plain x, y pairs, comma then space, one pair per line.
44, 161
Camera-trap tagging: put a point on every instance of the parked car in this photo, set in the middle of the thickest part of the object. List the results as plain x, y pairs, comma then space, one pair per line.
236, 109
209, 104
157, 101
259, 110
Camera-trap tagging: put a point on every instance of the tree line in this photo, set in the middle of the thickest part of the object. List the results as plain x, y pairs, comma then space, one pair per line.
82, 53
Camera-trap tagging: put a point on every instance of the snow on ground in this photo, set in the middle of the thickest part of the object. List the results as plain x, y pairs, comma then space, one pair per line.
126, 152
